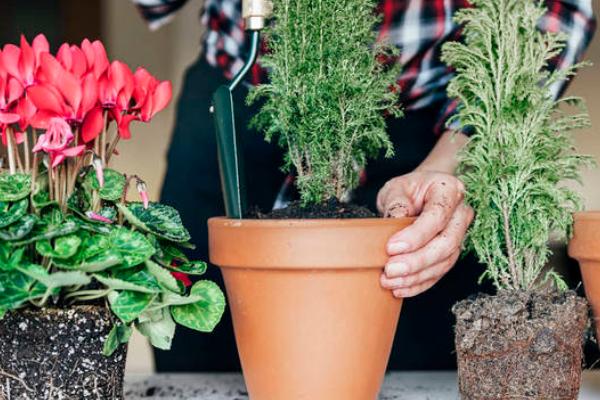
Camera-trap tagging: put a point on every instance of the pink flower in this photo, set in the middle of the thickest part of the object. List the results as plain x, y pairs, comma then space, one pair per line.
55, 142
97, 217
98, 167
143, 191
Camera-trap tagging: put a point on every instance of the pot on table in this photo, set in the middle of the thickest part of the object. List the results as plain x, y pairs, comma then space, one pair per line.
311, 320
585, 248
54, 353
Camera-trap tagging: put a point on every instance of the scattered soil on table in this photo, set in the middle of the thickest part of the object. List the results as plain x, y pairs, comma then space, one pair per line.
56, 353
331, 209
521, 345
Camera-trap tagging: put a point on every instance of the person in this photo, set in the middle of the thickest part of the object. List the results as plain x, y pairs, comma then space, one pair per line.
416, 182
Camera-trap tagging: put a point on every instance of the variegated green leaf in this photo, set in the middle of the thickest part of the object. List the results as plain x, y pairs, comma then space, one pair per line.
119, 334
137, 282
204, 314
133, 246
159, 219
19, 229
12, 212
114, 183
46, 231
56, 279
128, 305
163, 276
64, 247
160, 331
14, 187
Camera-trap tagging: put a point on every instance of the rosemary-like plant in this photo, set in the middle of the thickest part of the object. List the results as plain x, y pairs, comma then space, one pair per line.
520, 151
328, 92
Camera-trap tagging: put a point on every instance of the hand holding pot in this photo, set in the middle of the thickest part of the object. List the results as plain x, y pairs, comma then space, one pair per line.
425, 251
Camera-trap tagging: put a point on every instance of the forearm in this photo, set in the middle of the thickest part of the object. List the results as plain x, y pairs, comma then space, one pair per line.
443, 156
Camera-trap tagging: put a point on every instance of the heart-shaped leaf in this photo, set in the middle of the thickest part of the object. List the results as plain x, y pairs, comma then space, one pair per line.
128, 305
119, 334
163, 276
159, 219
133, 246
88, 225
12, 212
114, 183
19, 229
17, 289
56, 279
10, 258
96, 263
64, 247
204, 314
160, 332
137, 282
14, 187
45, 231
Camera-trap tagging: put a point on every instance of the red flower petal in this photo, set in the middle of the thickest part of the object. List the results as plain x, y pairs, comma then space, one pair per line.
79, 66
100, 58
73, 151
161, 97
92, 125
40, 45
124, 125
9, 118
90, 94
27, 61
10, 59
64, 56
183, 278
15, 90
45, 98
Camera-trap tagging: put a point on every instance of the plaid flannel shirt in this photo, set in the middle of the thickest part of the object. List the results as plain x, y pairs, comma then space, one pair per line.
418, 27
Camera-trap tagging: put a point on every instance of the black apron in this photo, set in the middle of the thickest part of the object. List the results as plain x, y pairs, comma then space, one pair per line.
424, 340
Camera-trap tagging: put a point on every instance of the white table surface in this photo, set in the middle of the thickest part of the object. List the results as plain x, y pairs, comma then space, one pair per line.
397, 386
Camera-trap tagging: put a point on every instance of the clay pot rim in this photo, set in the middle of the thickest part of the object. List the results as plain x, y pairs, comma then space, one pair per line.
587, 215
307, 223
302, 244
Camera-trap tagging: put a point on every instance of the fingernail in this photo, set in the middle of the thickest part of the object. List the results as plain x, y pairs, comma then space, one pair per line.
397, 247
394, 269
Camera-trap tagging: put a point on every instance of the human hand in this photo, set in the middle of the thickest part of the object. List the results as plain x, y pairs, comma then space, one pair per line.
422, 253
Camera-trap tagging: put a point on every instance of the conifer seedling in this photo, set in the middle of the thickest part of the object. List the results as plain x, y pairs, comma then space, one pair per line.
521, 152
329, 90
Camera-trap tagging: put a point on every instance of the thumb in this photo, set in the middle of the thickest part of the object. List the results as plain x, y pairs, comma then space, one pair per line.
393, 202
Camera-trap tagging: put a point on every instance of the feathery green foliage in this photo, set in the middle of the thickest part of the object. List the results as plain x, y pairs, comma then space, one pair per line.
328, 92
520, 151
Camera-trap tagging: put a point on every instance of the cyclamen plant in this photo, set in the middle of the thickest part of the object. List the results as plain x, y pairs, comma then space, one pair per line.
68, 232
520, 151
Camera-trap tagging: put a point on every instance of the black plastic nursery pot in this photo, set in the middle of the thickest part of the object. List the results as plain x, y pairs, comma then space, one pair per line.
57, 354
519, 345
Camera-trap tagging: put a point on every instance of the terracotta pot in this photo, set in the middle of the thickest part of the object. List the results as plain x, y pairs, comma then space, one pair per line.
310, 318
585, 248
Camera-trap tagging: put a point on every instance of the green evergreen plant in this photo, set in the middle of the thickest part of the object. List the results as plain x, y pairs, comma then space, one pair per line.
520, 152
329, 90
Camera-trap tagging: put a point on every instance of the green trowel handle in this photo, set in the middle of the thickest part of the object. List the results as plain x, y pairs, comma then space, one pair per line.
230, 157
229, 143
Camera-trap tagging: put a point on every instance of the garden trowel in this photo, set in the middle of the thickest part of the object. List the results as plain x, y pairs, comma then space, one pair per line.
255, 13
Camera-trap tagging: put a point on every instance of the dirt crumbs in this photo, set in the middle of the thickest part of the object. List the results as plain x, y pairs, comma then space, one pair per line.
519, 345
57, 354
332, 208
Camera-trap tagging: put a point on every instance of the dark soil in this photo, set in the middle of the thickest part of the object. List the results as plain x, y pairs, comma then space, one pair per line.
331, 209
519, 345
57, 354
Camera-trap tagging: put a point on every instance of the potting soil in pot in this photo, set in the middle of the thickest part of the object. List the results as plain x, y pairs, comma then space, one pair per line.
57, 354
332, 208
519, 345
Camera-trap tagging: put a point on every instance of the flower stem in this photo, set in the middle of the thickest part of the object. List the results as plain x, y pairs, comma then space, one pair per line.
112, 147
11, 152
26, 152
103, 139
